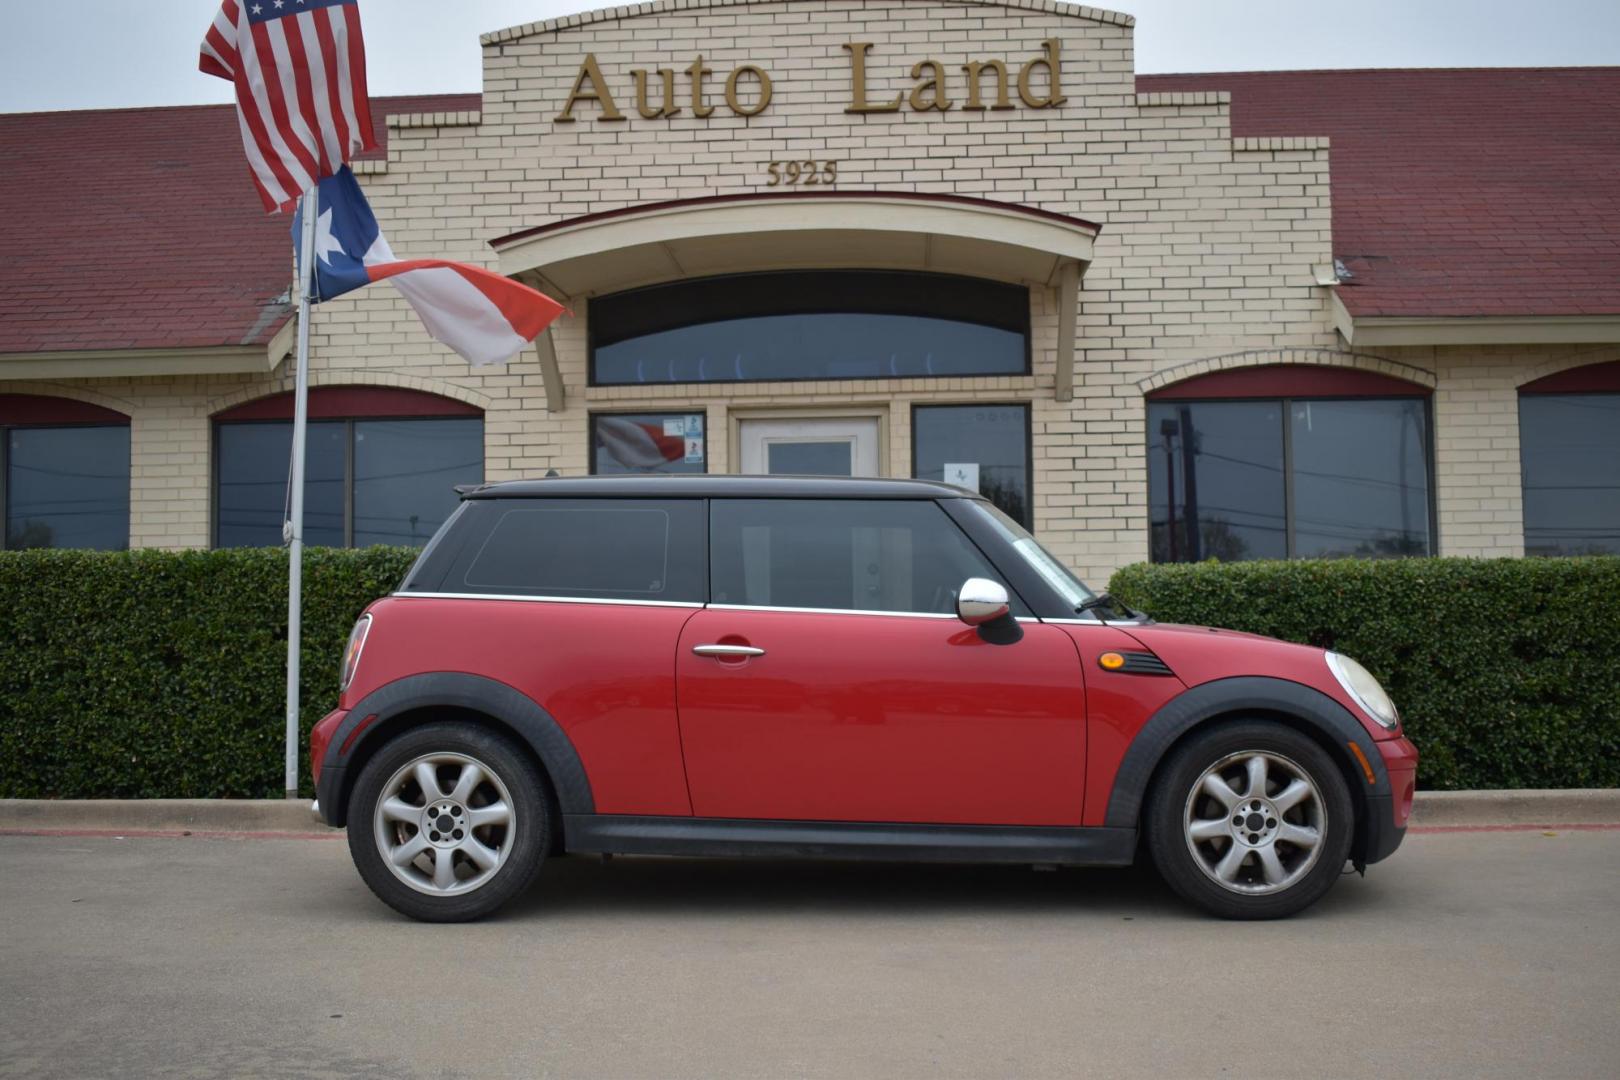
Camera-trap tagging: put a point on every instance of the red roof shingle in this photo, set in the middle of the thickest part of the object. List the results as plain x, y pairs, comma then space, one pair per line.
139, 228
1456, 192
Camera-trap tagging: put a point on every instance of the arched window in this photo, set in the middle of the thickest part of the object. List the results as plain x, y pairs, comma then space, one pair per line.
64, 473
816, 324
382, 466
1569, 454
1289, 461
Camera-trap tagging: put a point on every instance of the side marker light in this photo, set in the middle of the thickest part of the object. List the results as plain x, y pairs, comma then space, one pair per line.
1366, 766
1111, 660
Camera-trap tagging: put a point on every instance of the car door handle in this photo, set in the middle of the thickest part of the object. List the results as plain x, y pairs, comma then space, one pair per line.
727, 650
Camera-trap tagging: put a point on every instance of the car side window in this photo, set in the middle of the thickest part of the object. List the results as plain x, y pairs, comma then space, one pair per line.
841, 554
598, 549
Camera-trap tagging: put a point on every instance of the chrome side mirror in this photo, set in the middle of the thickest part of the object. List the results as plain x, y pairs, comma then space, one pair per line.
981, 601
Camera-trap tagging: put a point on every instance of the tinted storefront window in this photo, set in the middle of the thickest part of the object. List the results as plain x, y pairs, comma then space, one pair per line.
1569, 447
981, 447
67, 487
1361, 478
366, 481
1300, 478
1215, 481
251, 488
405, 476
810, 325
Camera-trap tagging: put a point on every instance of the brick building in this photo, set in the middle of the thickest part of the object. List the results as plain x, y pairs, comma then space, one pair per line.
1171, 316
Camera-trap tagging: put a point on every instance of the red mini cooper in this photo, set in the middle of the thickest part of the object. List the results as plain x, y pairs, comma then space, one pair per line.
881, 669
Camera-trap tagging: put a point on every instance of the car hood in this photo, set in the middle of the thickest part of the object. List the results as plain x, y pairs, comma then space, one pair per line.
1200, 654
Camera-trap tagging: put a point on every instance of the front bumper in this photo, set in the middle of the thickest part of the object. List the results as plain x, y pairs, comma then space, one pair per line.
328, 803
329, 796
1384, 826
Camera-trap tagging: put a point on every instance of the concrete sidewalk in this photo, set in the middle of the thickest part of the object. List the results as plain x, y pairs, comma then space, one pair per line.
1551, 806
280, 816
1431, 809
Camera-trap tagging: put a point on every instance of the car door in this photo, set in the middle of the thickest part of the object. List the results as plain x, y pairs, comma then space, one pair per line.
830, 680
577, 604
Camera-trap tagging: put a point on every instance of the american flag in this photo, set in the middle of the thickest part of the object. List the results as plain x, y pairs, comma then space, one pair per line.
299, 67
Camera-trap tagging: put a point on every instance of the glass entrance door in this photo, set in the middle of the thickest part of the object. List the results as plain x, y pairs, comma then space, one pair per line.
846, 446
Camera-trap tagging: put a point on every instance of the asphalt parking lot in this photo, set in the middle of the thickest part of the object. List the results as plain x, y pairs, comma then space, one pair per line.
1468, 954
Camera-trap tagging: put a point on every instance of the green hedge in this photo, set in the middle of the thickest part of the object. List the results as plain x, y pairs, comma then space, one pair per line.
163, 674
1506, 671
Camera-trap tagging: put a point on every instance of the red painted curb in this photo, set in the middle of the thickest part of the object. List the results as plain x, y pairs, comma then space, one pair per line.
175, 834
1584, 827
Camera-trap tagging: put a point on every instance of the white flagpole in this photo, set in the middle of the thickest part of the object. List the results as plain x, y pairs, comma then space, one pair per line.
294, 531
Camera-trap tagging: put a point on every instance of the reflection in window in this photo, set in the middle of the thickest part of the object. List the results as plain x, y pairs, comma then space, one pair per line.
1361, 478
365, 481
251, 489
989, 444
405, 476
1570, 456
1215, 481
67, 487
648, 443
1233, 480
809, 325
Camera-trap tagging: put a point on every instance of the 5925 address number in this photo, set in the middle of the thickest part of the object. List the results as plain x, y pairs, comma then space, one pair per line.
801, 172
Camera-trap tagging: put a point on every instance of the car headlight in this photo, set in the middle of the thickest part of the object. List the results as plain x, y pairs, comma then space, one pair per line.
1364, 690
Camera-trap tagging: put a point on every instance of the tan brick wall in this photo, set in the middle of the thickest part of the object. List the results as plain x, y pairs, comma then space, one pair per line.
1206, 247
1205, 256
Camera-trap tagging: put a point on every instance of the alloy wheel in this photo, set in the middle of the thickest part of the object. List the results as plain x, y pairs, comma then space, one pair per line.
445, 823
1255, 822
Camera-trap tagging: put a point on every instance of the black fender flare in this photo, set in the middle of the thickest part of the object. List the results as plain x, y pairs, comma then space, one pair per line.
455, 689
1240, 694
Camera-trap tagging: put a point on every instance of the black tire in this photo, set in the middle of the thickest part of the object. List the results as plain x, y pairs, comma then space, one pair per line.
1165, 822
531, 829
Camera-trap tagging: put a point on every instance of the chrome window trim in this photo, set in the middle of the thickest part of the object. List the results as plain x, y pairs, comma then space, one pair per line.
547, 599
692, 604
1096, 622
849, 611
831, 611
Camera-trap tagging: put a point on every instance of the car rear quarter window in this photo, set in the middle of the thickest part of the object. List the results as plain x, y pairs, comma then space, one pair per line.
597, 549
842, 554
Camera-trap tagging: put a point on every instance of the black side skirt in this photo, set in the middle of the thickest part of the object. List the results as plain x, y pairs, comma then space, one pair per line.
725, 838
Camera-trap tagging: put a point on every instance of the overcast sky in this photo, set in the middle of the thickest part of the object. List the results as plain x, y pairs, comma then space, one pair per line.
75, 54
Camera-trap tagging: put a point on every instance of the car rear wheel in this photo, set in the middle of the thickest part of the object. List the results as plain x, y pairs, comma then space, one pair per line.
1250, 820
448, 822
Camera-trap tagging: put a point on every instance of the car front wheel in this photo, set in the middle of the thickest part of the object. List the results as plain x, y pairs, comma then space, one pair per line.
448, 822
1250, 820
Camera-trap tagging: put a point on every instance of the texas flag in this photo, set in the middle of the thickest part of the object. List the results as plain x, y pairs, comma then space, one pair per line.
483, 316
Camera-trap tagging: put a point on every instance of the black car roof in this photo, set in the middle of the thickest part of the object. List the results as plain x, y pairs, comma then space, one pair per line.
691, 486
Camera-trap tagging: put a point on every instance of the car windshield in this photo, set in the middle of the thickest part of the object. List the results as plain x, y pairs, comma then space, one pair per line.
1054, 573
